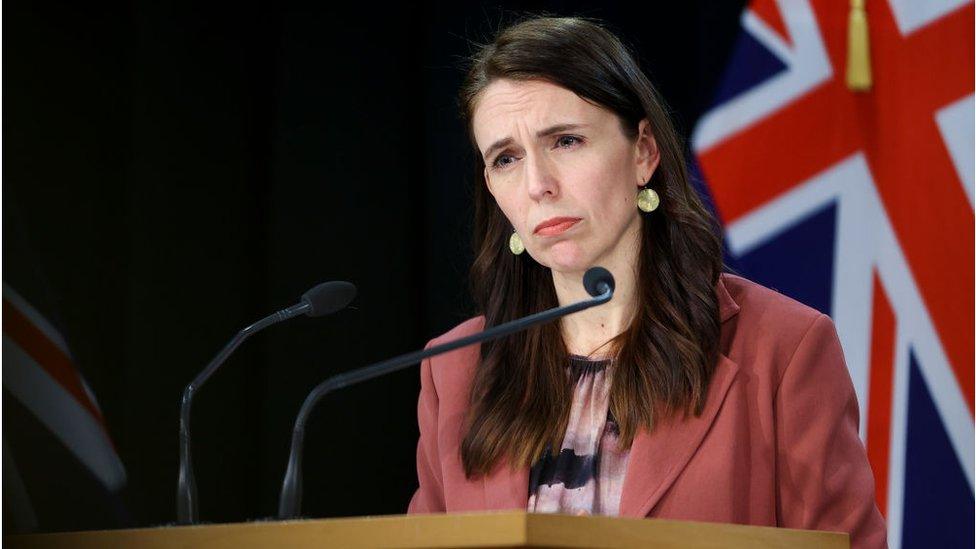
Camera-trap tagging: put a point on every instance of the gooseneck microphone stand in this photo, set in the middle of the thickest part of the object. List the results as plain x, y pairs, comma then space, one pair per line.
599, 283
323, 299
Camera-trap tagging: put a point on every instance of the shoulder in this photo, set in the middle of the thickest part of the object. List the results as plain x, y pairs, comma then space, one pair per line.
769, 326
452, 371
766, 307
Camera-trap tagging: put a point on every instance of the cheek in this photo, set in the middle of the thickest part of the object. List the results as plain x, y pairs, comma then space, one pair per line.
512, 208
607, 165
613, 192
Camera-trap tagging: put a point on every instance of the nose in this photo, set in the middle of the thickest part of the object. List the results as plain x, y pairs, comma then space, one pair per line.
541, 180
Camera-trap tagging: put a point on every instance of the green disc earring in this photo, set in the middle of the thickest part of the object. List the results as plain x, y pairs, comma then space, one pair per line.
515, 244
647, 200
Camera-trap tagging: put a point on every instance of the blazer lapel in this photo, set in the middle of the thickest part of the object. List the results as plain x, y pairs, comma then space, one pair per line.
657, 458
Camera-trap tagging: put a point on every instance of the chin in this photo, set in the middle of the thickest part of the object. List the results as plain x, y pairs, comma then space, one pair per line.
566, 257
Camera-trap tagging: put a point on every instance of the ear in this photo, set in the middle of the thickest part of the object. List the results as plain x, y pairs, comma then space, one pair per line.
648, 156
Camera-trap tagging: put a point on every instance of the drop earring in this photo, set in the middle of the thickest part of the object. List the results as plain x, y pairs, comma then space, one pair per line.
515, 244
647, 199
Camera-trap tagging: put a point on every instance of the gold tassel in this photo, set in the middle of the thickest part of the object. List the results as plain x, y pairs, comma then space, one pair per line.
858, 53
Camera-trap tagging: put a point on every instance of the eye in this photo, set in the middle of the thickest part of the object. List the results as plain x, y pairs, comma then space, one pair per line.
503, 160
567, 141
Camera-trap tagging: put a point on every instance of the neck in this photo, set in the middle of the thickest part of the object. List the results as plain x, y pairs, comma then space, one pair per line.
588, 332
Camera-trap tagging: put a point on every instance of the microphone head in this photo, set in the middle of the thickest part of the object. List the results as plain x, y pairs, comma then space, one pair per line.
328, 297
595, 278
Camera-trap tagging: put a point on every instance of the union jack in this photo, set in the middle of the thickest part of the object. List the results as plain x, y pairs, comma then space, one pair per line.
860, 204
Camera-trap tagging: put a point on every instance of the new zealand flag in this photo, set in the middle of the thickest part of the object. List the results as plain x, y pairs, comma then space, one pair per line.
860, 204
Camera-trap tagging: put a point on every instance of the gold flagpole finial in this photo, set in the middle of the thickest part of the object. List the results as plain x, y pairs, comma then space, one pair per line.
858, 51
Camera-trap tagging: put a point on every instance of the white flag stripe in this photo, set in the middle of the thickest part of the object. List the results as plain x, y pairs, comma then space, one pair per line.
768, 37
36, 318
955, 123
60, 412
910, 15
809, 67
897, 448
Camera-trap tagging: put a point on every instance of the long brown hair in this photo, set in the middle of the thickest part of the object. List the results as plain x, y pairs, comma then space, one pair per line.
521, 394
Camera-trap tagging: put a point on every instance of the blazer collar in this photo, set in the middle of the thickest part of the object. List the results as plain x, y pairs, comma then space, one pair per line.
727, 307
656, 457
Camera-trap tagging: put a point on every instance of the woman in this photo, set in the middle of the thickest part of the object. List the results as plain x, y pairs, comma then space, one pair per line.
693, 394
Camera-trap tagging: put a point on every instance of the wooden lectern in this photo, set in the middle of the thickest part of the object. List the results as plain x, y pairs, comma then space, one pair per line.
505, 529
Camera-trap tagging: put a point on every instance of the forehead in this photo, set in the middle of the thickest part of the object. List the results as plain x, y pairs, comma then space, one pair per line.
506, 106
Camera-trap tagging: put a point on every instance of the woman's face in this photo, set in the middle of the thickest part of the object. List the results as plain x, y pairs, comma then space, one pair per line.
563, 172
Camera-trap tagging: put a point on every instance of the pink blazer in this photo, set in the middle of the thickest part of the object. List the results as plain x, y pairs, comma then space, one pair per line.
776, 445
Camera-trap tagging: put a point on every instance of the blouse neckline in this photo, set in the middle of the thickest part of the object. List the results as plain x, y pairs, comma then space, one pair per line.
582, 365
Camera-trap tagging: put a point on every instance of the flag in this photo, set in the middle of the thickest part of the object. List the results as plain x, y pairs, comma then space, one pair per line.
60, 468
860, 204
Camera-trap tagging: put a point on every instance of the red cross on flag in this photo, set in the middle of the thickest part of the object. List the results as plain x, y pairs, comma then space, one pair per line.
860, 204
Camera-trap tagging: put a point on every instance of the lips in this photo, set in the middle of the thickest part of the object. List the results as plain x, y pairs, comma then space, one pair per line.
556, 225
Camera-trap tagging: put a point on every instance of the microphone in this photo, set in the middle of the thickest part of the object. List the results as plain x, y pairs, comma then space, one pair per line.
324, 299
598, 283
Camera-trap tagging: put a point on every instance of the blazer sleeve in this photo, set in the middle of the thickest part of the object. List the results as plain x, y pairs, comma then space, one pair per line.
429, 497
824, 480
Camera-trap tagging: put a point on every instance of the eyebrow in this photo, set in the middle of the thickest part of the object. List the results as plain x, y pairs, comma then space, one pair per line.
502, 143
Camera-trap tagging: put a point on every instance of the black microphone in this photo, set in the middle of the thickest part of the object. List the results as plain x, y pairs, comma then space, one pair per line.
598, 283
324, 299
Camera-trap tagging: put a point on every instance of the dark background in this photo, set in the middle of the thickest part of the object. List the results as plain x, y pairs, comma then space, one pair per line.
176, 170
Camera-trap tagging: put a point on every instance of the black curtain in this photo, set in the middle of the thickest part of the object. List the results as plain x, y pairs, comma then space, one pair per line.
175, 170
